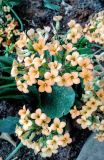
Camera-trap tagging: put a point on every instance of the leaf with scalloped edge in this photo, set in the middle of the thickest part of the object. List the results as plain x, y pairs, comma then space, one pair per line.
59, 102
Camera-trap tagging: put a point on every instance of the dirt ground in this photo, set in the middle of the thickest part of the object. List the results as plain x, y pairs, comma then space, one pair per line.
34, 15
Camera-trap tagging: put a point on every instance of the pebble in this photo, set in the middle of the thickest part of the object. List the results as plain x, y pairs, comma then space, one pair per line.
92, 150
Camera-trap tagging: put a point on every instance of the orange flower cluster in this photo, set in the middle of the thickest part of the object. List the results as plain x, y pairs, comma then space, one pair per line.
36, 131
8, 30
75, 32
94, 31
92, 113
44, 62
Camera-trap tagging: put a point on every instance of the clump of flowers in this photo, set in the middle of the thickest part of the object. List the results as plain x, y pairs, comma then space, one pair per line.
92, 113
40, 133
45, 62
8, 30
94, 31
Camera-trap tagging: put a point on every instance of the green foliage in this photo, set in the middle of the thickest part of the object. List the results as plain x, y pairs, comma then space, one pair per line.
8, 49
5, 64
10, 2
59, 102
84, 47
8, 89
11, 93
85, 51
8, 125
49, 4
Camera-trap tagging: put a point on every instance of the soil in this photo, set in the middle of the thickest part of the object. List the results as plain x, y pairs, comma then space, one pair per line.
33, 14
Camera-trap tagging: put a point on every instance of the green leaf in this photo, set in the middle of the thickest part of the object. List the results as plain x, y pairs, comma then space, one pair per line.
12, 2
59, 102
8, 89
6, 80
54, 0
51, 6
86, 51
98, 68
30, 46
5, 64
8, 124
11, 93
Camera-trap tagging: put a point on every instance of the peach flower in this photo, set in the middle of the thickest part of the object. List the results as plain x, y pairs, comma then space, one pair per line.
63, 81
22, 42
72, 23
93, 103
28, 61
85, 63
74, 35
69, 47
100, 94
84, 123
73, 78
74, 112
65, 140
73, 58
58, 126
51, 76
24, 112
54, 47
86, 75
54, 65
30, 80
44, 86
38, 61
40, 46
22, 86
33, 72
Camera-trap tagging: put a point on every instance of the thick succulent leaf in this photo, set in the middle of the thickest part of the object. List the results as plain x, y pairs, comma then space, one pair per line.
59, 102
8, 125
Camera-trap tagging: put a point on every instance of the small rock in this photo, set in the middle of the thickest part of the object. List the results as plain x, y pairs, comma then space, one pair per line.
92, 150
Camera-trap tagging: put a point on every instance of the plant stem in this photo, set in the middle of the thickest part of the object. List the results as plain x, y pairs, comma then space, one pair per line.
14, 151
17, 17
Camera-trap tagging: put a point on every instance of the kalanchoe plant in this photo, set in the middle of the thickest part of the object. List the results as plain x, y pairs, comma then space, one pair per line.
9, 30
54, 66
63, 69
40, 133
43, 136
44, 62
94, 29
91, 115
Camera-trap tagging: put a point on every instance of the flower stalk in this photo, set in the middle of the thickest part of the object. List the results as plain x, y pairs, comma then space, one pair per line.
14, 151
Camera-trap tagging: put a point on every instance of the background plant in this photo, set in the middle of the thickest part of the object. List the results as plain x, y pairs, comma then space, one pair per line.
50, 4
